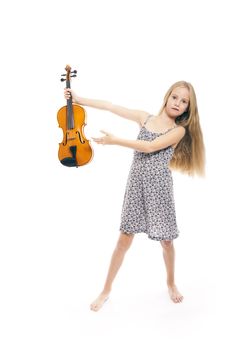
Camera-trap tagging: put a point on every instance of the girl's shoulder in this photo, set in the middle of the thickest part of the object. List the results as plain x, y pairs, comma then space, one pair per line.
145, 118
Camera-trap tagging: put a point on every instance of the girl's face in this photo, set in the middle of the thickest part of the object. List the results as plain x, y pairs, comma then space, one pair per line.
178, 102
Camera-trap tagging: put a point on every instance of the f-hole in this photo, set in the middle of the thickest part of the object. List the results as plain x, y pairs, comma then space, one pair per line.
80, 139
64, 143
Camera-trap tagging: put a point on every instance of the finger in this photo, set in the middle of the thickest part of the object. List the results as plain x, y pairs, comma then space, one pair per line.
67, 95
96, 139
104, 132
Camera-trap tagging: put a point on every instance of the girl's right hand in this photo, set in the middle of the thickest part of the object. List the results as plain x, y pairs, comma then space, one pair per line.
69, 92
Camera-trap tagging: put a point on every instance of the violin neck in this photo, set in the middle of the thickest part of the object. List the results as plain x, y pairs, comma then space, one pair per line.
70, 115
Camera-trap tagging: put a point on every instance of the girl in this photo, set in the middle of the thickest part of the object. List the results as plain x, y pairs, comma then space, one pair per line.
171, 140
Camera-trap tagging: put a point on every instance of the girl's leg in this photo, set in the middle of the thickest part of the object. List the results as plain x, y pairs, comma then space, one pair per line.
123, 244
169, 259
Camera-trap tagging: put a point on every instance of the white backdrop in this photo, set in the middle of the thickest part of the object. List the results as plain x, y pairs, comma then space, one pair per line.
60, 225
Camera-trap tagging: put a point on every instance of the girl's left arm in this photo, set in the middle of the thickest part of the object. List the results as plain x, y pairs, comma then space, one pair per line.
171, 138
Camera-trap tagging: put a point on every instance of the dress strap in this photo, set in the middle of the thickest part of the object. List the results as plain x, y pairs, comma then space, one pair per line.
175, 126
148, 117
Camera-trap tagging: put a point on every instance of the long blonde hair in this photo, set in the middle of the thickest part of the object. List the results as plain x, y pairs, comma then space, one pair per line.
189, 154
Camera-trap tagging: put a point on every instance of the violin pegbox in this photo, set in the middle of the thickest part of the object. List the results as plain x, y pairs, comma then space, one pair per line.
69, 74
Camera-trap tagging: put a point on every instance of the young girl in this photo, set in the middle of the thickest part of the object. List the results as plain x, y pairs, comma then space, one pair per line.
171, 140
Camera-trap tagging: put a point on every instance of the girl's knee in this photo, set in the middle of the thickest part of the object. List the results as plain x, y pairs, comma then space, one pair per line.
124, 241
166, 244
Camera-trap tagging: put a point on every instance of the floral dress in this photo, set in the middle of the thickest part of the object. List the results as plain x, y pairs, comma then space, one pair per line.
148, 204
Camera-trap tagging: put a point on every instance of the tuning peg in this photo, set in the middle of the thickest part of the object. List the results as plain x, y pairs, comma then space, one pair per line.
73, 76
62, 79
74, 71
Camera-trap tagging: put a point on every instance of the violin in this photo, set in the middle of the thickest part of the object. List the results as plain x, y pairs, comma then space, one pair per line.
74, 150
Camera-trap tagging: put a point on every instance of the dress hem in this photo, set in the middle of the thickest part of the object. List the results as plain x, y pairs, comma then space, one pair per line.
154, 238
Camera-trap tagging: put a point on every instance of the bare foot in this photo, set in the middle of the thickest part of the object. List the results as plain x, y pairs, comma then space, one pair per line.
99, 302
175, 294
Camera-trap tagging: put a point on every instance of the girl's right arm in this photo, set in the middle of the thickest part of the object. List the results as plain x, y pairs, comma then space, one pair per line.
131, 114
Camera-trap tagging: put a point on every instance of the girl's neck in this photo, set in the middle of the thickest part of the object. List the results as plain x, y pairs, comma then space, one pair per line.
165, 119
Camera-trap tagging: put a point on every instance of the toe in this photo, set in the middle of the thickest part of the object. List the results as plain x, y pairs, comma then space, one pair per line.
93, 307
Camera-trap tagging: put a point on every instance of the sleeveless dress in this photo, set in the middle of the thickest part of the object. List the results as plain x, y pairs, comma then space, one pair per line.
148, 204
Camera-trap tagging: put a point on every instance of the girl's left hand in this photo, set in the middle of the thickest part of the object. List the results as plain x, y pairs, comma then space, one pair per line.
108, 139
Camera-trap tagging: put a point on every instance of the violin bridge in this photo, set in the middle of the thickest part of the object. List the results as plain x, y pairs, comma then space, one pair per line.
70, 135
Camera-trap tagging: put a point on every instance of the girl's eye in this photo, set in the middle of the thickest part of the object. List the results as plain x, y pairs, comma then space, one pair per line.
184, 101
174, 97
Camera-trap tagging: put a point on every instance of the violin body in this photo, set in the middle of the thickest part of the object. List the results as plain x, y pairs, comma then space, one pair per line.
74, 150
